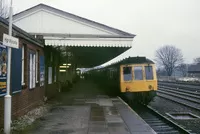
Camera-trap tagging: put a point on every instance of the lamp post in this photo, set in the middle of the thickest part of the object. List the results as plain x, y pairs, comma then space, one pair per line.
7, 98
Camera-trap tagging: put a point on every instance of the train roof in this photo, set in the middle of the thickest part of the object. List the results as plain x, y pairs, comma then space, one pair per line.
129, 60
134, 60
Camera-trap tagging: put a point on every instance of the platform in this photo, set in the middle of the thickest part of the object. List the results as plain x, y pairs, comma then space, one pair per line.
91, 112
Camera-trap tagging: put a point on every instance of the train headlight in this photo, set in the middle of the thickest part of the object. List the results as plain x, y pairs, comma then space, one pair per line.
150, 87
127, 89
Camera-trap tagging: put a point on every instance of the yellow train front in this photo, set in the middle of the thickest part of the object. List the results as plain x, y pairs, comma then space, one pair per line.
133, 78
138, 81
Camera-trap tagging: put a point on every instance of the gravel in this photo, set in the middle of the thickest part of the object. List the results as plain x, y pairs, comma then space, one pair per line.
27, 119
164, 106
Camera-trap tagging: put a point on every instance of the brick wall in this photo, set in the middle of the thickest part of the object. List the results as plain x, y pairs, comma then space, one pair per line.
27, 99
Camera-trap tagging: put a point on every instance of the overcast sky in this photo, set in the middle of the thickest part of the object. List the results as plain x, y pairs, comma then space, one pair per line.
155, 22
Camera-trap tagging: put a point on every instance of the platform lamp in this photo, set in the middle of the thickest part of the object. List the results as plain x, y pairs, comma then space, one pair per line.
7, 102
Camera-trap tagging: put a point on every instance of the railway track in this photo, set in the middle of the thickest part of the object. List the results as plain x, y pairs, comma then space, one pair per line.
190, 92
181, 86
183, 83
159, 123
187, 98
187, 95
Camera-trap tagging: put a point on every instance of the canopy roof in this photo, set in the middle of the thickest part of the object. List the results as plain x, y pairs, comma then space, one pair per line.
91, 43
60, 28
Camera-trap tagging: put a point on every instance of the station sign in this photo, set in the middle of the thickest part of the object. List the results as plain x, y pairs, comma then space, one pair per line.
10, 41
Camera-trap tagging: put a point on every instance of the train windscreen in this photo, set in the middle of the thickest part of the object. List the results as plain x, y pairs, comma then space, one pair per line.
127, 73
149, 72
138, 75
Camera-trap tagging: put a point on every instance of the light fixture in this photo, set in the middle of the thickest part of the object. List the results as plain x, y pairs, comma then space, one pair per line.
62, 70
69, 64
64, 64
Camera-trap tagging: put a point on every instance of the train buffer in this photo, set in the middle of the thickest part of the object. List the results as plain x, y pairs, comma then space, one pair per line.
87, 110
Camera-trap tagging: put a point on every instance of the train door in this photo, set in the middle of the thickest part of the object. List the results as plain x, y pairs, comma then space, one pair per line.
127, 74
150, 77
126, 77
138, 78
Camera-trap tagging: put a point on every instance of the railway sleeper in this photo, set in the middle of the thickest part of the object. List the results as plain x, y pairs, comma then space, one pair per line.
165, 129
154, 121
170, 132
157, 124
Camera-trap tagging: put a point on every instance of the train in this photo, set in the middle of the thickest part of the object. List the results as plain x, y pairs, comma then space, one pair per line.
133, 78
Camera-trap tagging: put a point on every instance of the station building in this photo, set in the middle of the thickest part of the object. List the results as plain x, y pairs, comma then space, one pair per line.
194, 70
50, 38
27, 89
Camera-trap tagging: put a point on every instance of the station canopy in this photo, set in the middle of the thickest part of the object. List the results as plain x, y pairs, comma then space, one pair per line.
90, 42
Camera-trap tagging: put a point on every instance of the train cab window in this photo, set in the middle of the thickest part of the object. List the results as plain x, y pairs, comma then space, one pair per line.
127, 73
138, 75
149, 72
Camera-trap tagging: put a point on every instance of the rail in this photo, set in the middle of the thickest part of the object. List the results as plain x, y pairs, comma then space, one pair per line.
187, 98
158, 122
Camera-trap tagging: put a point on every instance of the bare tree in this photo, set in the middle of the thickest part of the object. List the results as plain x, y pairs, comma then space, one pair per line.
169, 57
4, 10
197, 60
183, 69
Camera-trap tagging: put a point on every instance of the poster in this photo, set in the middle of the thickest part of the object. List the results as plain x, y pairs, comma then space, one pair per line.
42, 71
3, 69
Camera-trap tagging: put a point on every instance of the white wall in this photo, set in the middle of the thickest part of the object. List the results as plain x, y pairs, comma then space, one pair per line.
49, 22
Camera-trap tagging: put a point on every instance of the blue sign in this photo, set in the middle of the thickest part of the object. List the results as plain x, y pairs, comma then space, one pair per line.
3, 69
16, 70
42, 71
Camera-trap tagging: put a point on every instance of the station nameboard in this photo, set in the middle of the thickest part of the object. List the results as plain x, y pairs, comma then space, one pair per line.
10, 41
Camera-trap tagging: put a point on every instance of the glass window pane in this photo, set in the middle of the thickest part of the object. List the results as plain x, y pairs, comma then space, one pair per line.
149, 72
30, 70
33, 71
138, 73
32, 76
49, 75
127, 73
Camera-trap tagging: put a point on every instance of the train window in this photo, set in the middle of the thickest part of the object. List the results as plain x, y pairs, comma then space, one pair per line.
149, 72
138, 73
127, 72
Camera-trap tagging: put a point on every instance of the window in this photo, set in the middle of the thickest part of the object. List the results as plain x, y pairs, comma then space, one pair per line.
149, 72
37, 60
138, 73
23, 51
111, 72
49, 75
127, 73
55, 75
42, 70
32, 70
